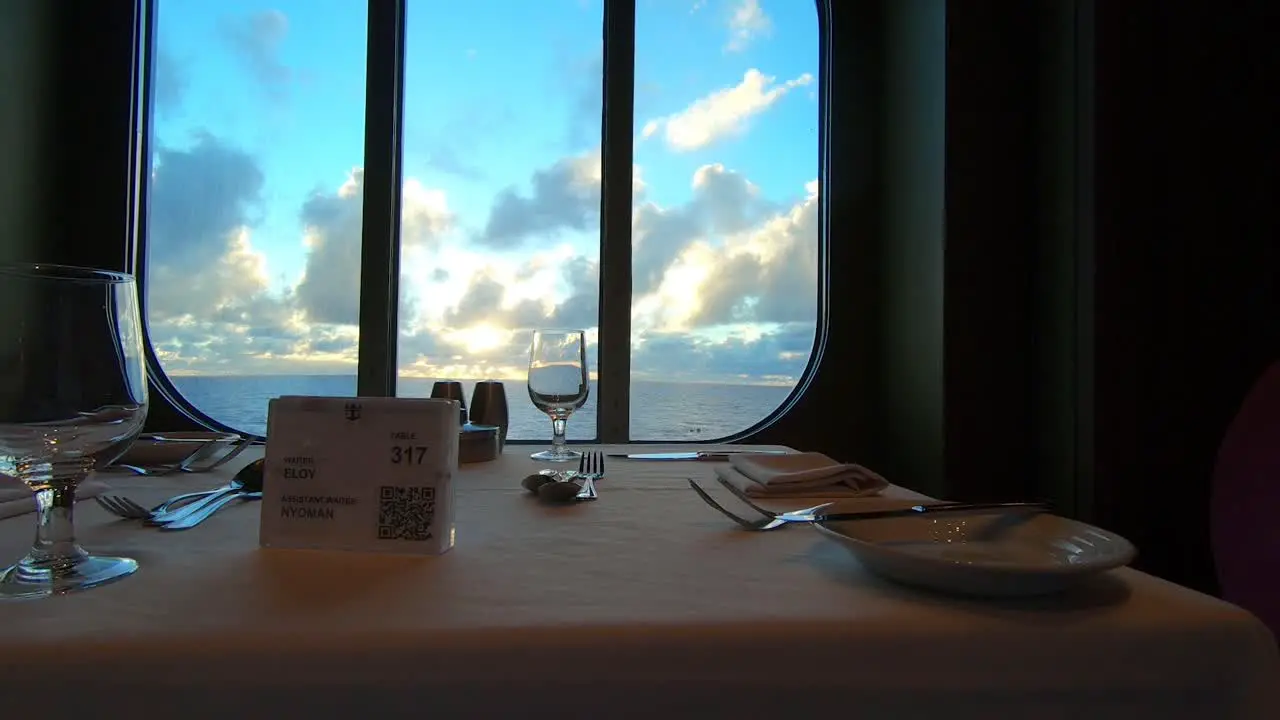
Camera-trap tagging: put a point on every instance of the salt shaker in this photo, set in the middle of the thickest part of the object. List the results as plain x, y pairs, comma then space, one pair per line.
452, 390
489, 407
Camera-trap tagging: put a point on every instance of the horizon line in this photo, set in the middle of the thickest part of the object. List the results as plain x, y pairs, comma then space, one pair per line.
780, 382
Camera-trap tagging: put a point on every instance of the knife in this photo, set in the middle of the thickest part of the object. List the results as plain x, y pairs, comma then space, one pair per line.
957, 508
720, 455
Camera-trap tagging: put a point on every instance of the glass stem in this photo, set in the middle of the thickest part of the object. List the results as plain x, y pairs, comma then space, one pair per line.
557, 435
55, 527
55, 486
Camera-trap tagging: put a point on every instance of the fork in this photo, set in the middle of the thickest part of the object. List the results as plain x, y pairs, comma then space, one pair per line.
773, 521
590, 469
122, 506
990, 532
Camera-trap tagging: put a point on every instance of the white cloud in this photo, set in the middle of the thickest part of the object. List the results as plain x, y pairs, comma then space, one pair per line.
775, 356
751, 272
329, 291
564, 196
425, 214
257, 39
723, 113
724, 284
747, 22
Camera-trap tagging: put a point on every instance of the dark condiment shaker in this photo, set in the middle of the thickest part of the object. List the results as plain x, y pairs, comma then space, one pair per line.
489, 407
452, 390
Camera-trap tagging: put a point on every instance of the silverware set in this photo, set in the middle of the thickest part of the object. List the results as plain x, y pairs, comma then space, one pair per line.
189, 509
1013, 513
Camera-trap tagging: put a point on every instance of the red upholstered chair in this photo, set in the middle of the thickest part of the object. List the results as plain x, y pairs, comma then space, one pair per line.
1245, 507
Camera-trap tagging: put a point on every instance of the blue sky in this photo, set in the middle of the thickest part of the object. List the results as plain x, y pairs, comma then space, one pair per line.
259, 125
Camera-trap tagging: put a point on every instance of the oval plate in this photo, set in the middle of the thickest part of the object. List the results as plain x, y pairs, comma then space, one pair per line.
1046, 554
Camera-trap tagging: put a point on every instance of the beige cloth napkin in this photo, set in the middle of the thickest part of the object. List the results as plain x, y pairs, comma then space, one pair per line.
17, 499
808, 474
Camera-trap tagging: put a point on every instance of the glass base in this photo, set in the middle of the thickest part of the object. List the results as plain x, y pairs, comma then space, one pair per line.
38, 578
551, 456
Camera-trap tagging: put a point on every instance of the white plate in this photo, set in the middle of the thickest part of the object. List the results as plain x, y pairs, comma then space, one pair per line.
167, 448
1046, 554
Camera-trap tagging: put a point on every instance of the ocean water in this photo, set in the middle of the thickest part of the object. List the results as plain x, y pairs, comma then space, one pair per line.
659, 410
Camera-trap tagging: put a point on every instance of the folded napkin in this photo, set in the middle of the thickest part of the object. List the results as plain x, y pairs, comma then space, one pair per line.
17, 499
809, 474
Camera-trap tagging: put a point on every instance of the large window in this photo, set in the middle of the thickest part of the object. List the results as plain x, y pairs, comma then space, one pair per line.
500, 132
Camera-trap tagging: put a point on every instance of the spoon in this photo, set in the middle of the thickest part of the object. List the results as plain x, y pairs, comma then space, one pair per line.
208, 510
247, 480
562, 491
535, 481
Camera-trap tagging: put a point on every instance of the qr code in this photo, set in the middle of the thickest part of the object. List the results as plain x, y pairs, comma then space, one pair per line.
405, 513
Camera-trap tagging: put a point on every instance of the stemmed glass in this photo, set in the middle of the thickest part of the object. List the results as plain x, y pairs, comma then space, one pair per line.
558, 384
73, 396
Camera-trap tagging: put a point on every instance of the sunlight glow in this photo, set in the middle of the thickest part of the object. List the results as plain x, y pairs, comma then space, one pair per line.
480, 338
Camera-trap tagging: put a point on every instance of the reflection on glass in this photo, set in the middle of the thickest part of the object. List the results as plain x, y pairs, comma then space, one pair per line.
73, 396
558, 384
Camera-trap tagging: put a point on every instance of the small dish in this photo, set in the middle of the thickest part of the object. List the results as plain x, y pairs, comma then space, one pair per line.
1045, 554
478, 443
171, 448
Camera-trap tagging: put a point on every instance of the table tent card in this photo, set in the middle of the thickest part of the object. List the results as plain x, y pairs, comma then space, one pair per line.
360, 474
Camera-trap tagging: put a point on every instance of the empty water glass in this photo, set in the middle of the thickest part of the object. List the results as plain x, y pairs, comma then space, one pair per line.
73, 396
558, 384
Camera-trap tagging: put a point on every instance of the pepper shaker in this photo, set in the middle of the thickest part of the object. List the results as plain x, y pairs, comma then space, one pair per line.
489, 407
452, 390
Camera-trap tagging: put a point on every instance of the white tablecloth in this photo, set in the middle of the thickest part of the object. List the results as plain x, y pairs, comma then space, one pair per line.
645, 603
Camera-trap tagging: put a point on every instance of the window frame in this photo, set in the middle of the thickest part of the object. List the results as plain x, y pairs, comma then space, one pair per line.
380, 242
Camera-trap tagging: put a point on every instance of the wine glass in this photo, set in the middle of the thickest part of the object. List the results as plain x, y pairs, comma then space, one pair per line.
558, 384
73, 396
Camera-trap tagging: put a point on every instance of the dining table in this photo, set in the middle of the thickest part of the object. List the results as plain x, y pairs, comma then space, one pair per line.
644, 603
